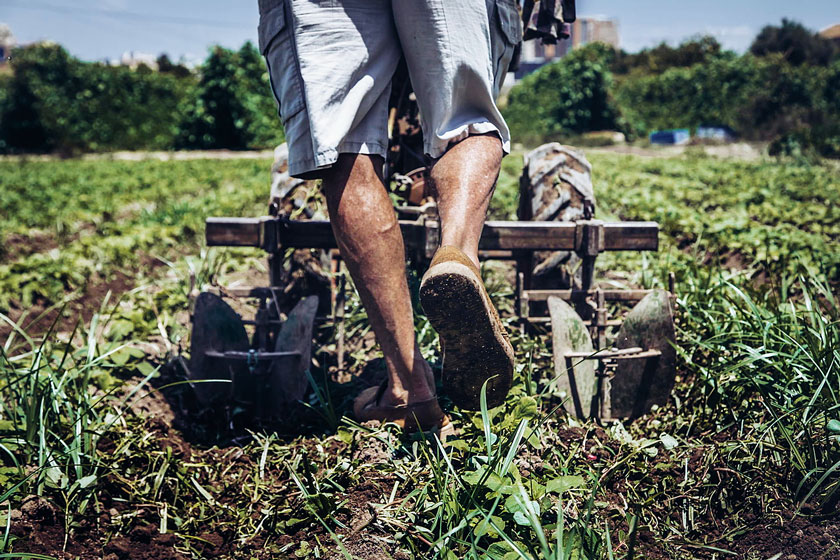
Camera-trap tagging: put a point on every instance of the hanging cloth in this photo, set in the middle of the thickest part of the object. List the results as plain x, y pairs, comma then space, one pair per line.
551, 21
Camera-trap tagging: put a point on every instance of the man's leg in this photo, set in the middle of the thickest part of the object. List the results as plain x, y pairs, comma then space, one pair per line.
371, 243
448, 48
464, 179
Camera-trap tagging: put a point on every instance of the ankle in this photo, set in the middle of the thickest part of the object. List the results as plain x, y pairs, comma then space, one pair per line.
469, 249
401, 396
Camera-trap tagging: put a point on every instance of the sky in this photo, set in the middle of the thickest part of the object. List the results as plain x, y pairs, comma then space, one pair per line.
185, 29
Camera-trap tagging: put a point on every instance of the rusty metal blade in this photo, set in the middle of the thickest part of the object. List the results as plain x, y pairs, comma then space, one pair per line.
638, 384
570, 334
216, 327
287, 381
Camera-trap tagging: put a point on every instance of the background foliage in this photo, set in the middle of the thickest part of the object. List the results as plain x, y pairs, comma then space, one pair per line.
568, 97
233, 107
784, 91
54, 102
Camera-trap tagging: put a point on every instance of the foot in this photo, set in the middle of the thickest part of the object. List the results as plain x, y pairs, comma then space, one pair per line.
416, 386
418, 416
475, 345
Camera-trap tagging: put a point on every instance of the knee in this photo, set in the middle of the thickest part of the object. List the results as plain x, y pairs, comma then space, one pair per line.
353, 170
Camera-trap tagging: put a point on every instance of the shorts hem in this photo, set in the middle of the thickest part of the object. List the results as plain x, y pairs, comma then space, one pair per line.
326, 158
437, 147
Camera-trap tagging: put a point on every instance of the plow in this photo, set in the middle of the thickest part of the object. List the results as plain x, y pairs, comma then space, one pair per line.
613, 348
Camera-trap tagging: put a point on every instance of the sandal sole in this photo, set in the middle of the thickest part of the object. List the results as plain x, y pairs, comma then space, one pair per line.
475, 348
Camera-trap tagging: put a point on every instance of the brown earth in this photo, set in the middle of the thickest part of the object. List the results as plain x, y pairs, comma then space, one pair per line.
16, 245
796, 538
38, 528
43, 316
39, 525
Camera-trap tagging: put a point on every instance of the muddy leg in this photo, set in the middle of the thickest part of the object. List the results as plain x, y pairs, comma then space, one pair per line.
464, 179
371, 244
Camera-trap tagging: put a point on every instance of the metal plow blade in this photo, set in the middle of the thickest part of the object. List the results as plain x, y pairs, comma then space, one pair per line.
216, 327
575, 377
640, 383
287, 380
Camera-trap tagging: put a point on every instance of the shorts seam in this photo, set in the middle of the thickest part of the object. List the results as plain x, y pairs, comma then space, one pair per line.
294, 43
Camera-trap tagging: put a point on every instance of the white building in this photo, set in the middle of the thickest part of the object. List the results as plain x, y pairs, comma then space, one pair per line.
7, 42
134, 59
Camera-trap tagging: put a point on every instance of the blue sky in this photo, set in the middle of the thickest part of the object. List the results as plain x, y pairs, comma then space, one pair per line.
98, 29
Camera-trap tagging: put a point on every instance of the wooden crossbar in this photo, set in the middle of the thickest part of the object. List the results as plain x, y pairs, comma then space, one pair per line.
272, 233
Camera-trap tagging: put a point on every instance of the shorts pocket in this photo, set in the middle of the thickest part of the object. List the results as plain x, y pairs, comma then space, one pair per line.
509, 21
277, 46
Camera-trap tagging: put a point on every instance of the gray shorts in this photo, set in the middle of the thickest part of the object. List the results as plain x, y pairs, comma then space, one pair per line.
331, 63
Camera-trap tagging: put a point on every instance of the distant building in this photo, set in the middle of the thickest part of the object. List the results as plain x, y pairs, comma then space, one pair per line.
832, 34
7, 42
585, 30
134, 59
595, 30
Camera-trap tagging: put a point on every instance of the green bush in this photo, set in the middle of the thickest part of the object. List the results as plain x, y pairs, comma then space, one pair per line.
54, 102
58, 103
567, 97
663, 56
796, 43
713, 92
233, 107
796, 108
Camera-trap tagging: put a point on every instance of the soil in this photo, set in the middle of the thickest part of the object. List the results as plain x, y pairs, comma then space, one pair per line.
796, 538
43, 316
38, 527
17, 246
805, 536
174, 420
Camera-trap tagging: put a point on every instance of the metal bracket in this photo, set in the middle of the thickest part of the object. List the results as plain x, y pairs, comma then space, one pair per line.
607, 361
589, 243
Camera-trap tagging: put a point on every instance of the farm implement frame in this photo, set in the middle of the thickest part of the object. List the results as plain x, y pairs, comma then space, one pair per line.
598, 375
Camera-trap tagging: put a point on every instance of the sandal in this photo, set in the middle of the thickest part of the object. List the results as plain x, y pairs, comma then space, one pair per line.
421, 416
476, 348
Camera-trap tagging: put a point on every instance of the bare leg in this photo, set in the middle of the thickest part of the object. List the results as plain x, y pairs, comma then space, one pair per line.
464, 178
476, 350
371, 243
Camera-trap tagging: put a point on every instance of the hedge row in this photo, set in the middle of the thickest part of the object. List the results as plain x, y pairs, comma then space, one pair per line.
761, 98
53, 102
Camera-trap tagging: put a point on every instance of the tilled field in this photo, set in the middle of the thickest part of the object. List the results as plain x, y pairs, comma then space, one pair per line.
106, 453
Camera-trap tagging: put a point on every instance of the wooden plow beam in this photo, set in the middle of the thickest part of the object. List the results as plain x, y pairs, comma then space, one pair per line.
503, 239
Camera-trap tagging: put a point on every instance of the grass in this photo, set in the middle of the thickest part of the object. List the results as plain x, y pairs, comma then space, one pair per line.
752, 435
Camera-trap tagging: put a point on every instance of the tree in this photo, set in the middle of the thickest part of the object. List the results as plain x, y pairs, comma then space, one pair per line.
59, 103
37, 100
567, 97
166, 66
663, 56
234, 108
797, 44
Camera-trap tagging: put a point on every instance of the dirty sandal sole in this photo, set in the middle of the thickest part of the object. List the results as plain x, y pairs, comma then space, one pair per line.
475, 347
